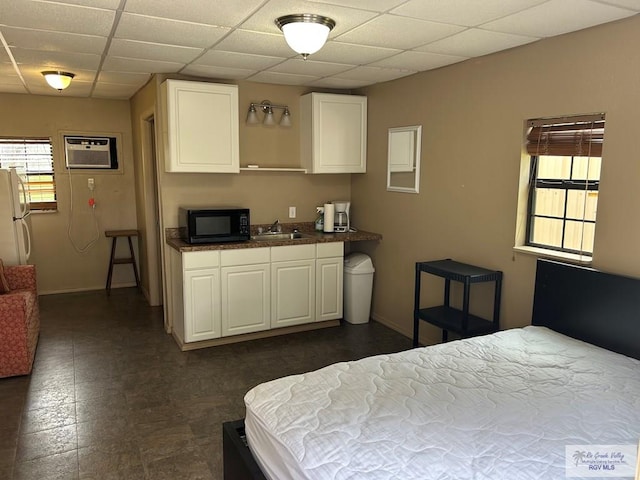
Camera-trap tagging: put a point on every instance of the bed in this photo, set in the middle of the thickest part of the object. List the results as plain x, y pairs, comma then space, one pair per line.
501, 406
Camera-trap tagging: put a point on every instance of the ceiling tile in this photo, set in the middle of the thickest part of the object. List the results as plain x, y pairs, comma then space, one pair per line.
124, 78
475, 42
115, 91
282, 78
12, 87
556, 17
346, 18
630, 4
237, 60
62, 60
418, 61
119, 64
152, 51
349, 53
108, 4
310, 67
392, 31
54, 41
336, 82
245, 41
227, 13
57, 17
217, 72
374, 74
372, 5
170, 32
6, 68
463, 12
10, 80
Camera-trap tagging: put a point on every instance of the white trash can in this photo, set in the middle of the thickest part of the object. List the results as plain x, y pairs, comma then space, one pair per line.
358, 284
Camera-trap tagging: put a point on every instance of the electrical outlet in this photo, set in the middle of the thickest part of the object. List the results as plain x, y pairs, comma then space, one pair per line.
292, 212
91, 184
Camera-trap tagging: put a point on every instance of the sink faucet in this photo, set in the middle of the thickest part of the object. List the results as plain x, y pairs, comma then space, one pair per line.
275, 227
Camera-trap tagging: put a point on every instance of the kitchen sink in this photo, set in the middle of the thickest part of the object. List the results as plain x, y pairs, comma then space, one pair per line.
266, 237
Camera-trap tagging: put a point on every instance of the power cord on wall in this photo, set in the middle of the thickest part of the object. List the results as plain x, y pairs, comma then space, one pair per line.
92, 204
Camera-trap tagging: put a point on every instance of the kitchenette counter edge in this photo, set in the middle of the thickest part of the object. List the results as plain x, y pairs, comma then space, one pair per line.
173, 240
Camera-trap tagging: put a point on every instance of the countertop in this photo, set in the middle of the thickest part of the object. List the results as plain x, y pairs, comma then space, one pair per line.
313, 237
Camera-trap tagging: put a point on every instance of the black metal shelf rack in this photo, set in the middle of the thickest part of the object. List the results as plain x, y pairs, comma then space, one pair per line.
449, 318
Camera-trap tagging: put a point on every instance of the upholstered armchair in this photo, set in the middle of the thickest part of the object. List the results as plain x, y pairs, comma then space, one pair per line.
19, 320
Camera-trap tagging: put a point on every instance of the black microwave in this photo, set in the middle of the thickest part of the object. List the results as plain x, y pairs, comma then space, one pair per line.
214, 225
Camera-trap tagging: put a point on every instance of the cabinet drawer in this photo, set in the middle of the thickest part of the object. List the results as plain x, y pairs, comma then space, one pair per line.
333, 249
200, 259
293, 252
244, 256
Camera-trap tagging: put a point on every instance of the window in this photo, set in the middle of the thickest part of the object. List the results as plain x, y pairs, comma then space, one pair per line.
566, 155
33, 157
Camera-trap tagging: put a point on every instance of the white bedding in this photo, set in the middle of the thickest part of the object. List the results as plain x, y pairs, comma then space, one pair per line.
502, 406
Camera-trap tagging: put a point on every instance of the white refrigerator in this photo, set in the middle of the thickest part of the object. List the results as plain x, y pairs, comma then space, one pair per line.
15, 224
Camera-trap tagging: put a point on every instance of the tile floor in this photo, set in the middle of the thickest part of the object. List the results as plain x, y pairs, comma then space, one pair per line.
112, 397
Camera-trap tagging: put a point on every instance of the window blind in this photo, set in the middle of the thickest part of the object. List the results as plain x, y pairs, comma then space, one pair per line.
33, 157
567, 136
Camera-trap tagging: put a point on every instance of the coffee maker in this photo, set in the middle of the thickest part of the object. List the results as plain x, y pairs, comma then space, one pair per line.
341, 219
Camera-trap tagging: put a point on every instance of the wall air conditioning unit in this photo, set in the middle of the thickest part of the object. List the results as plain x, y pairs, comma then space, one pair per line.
91, 152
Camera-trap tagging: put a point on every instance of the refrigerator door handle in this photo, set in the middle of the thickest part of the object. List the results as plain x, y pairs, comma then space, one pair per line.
25, 200
27, 239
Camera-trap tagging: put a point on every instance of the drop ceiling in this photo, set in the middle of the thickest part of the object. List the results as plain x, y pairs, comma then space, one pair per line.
114, 46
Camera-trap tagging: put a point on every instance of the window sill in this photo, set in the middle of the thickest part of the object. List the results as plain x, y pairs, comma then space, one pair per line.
47, 211
554, 255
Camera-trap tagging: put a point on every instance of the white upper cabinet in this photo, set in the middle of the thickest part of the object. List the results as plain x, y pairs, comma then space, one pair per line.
201, 127
333, 133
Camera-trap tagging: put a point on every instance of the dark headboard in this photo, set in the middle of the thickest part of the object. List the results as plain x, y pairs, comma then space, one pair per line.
583, 303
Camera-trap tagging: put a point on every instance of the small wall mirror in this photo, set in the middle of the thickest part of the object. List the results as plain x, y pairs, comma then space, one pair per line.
403, 159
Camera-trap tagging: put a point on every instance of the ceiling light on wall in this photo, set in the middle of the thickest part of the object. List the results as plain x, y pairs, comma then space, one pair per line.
305, 33
285, 121
57, 79
268, 117
267, 108
252, 116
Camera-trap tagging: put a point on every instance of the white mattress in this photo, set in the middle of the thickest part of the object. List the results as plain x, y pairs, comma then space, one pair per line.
502, 406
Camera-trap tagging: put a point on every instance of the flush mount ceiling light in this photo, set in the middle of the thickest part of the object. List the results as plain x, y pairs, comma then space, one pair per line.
267, 108
305, 33
57, 79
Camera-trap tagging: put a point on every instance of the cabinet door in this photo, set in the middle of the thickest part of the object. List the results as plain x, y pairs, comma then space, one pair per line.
202, 304
292, 293
329, 295
202, 127
334, 133
246, 305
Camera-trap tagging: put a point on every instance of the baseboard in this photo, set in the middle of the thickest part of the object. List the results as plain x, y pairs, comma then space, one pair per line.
85, 289
307, 327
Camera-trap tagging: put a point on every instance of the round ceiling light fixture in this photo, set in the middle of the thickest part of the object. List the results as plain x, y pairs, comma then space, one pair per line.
305, 33
57, 79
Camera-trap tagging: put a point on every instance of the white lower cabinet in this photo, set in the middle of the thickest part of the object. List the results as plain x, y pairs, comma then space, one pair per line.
196, 286
329, 281
245, 290
293, 282
231, 292
202, 316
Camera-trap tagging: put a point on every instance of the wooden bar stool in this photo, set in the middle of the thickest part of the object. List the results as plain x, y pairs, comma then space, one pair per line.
115, 234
